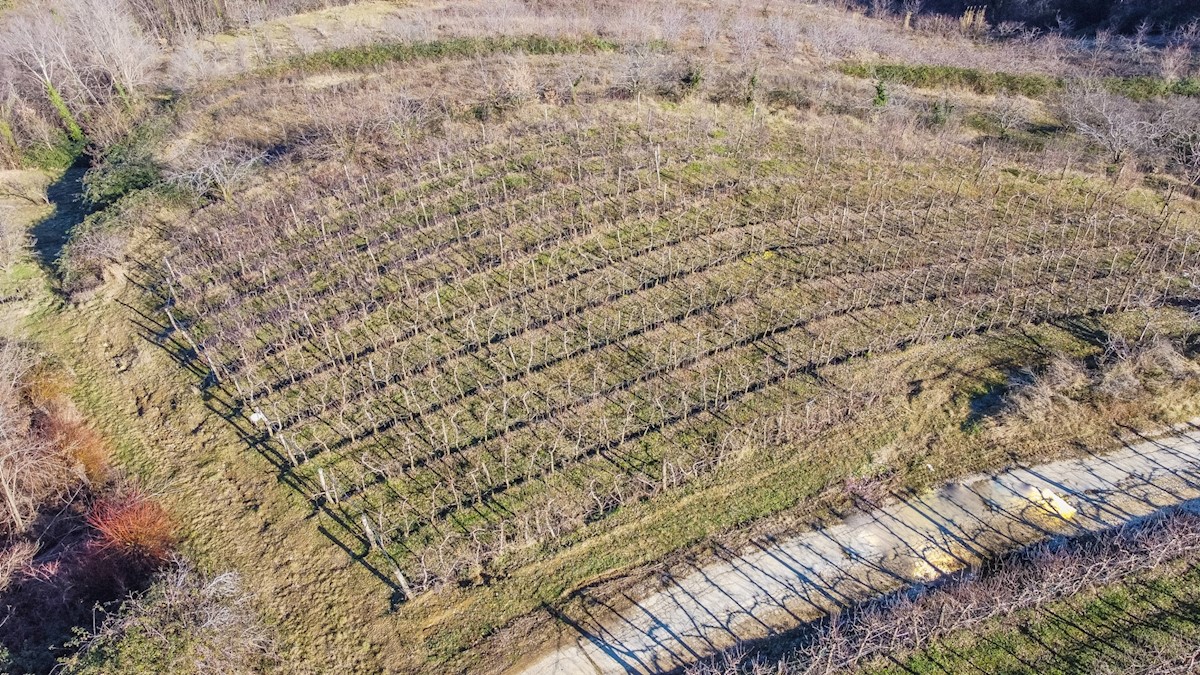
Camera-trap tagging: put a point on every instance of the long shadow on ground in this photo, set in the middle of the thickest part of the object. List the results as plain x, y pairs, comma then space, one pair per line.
70, 209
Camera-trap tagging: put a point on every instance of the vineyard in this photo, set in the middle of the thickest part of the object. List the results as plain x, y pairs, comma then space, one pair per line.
471, 355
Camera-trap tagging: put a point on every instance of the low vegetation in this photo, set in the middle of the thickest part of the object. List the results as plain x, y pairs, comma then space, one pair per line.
72, 534
185, 623
941, 77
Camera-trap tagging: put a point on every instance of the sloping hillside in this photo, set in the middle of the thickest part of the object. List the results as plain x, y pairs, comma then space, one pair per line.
439, 337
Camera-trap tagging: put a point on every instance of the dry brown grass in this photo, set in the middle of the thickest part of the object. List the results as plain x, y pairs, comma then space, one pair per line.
61, 424
1034, 396
80, 442
32, 469
15, 561
1134, 380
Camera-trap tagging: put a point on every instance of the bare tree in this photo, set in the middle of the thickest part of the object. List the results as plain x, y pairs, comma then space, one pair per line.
1181, 138
747, 37
220, 168
1115, 123
1012, 112
113, 44
34, 42
710, 23
785, 34
674, 22
1175, 62
1187, 35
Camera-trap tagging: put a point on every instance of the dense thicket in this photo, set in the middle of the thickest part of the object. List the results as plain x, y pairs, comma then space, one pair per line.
1122, 16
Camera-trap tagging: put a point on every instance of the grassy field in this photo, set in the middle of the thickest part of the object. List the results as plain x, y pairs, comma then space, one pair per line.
434, 340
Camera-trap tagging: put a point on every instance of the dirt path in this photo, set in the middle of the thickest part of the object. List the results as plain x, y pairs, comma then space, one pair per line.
778, 585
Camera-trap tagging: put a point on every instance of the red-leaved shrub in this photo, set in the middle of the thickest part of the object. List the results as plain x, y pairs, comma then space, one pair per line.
133, 526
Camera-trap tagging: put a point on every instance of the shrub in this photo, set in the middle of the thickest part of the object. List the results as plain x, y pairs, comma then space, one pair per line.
123, 170
739, 87
1154, 365
81, 443
676, 79
185, 622
1125, 372
32, 470
881, 95
56, 155
1123, 128
1035, 396
1181, 138
133, 526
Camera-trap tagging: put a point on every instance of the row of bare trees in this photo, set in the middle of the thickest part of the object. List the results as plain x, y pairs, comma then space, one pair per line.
889, 630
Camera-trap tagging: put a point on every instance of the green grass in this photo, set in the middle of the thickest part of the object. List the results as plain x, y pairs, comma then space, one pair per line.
54, 157
922, 76
371, 56
1111, 626
944, 77
1146, 88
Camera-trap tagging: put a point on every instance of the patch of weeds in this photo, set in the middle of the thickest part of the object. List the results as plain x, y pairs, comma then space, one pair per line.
185, 621
940, 113
489, 110
102, 237
124, 169
881, 98
788, 98
1143, 88
354, 58
984, 403
515, 181
681, 80
943, 77
692, 78
53, 157
739, 88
